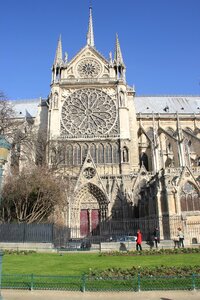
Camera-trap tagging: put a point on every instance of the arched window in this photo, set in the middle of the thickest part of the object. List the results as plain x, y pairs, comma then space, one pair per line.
144, 161
84, 151
115, 153
100, 154
108, 153
189, 198
125, 156
93, 152
69, 155
77, 154
61, 155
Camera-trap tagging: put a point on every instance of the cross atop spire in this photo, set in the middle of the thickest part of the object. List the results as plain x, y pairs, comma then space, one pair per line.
58, 57
90, 34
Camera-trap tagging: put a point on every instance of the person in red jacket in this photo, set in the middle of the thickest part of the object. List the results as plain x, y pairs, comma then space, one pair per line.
139, 240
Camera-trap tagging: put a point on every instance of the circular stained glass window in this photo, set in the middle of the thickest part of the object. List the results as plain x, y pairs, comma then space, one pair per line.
89, 112
88, 68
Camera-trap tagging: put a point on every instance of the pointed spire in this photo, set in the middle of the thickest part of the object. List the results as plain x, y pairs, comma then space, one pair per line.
118, 54
90, 34
58, 57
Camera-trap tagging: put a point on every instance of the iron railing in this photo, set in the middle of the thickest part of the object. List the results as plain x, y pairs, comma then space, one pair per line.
63, 236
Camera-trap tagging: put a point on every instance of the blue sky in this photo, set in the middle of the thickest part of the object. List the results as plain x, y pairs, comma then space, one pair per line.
160, 42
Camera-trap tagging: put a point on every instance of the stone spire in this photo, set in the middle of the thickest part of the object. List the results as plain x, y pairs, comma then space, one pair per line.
90, 34
58, 57
118, 59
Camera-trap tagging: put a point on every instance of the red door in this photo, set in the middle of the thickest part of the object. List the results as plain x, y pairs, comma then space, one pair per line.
84, 222
89, 220
95, 221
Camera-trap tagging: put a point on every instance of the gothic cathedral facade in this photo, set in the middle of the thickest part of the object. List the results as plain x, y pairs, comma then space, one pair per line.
125, 157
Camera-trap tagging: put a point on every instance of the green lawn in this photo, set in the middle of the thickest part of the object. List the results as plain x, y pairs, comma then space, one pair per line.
78, 263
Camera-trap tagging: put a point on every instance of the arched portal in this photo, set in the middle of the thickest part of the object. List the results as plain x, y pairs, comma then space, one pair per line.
89, 210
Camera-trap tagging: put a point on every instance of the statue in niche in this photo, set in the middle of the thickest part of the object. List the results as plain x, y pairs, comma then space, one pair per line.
121, 99
125, 155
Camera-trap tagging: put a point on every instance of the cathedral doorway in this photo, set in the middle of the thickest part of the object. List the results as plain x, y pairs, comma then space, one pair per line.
89, 222
90, 209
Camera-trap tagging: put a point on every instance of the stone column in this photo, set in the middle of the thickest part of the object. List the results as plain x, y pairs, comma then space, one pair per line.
159, 214
177, 201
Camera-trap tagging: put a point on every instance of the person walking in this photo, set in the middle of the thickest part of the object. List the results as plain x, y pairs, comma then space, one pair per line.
139, 240
156, 235
181, 238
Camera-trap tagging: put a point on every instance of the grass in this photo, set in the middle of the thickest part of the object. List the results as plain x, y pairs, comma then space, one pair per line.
75, 264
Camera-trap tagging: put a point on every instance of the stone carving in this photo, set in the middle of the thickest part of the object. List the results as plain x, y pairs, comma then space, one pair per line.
66, 93
88, 68
110, 92
88, 112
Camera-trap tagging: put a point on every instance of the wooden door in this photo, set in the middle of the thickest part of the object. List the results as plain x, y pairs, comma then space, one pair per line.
84, 222
95, 221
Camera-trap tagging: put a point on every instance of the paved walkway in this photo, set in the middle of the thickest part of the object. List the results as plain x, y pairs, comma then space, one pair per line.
52, 295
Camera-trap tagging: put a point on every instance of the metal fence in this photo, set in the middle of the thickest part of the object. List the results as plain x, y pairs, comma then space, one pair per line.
24, 233
63, 236
87, 283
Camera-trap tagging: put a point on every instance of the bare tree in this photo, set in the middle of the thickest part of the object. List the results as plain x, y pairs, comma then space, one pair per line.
7, 115
32, 196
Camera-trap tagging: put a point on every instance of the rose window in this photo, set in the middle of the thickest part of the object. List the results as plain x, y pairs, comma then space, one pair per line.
89, 173
88, 68
88, 112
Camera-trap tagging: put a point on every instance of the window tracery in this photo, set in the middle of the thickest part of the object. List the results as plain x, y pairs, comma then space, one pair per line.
108, 154
89, 112
88, 68
100, 154
190, 200
75, 153
93, 152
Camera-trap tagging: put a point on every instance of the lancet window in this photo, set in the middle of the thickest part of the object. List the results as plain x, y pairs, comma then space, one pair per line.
115, 154
75, 153
93, 152
108, 154
190, 198
100, 154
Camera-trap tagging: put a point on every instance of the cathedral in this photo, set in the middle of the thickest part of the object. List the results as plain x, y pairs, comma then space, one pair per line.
130, 162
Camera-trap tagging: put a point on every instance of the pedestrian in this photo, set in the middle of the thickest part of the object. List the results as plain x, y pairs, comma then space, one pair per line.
156, 235
139, 240
181, 238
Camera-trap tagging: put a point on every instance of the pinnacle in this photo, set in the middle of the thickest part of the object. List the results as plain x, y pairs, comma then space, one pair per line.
90, 34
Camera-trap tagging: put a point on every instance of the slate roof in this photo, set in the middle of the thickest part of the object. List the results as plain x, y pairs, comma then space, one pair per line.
168, 104
27, 108
143, 105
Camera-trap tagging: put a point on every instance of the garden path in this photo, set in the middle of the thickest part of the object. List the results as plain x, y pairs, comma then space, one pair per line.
54, 295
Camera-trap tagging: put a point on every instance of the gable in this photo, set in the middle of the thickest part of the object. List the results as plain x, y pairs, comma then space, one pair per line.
87, 64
